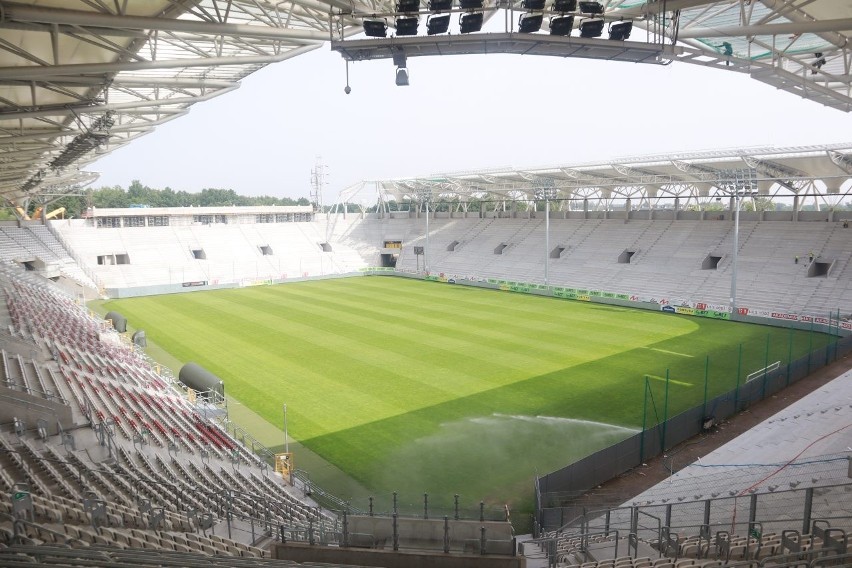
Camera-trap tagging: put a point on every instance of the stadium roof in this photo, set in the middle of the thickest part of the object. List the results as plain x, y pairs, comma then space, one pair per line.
79, 78
819, 173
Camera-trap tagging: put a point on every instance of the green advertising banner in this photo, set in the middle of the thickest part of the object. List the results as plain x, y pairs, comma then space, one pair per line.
564, 294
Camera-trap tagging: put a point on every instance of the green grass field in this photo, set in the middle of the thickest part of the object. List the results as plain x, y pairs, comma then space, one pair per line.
420, 387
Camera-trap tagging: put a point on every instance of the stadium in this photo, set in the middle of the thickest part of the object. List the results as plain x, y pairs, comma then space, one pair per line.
630, 362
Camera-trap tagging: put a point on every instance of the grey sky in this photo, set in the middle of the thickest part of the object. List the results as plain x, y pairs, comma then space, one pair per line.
462, 112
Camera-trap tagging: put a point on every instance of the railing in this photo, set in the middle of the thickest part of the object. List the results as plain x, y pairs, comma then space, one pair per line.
73, 254
242, 436
714, 521
322, 497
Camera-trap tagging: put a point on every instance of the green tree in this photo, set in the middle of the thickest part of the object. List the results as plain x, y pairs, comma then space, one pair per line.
110, 197
759, 204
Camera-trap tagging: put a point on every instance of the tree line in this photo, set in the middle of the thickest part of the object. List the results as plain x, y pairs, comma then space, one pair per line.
142, 195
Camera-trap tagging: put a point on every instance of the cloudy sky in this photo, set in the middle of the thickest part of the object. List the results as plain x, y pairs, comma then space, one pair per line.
459, 113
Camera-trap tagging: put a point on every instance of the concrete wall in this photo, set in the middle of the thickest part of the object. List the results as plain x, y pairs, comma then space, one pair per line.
299, 552
31, 409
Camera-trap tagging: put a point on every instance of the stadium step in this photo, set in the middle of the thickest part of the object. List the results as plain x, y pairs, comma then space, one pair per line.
598, 551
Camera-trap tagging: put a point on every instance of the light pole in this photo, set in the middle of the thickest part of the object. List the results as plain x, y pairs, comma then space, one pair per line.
286, 437
424, 195
739, 182
547, 194
735, 251
426, 250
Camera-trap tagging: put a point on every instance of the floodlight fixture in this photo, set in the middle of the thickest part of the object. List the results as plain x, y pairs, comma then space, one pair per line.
375, 28
437, 24
620, 31
399, 58
470, 4
818, 63
564, 6
407, 5
440, 5
407, 26
561, 26
591, 28
591, 7
532, 4
401, 77
469, 23
529, 23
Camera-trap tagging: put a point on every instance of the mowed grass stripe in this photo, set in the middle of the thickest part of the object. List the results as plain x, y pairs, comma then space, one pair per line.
328, 332
392, 333
557, 336
489, 307
491, 356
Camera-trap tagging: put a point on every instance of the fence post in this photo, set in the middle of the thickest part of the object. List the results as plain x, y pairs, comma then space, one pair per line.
665, 413
765, 368
836, 334
739, 370
706, 372
789, 356
806, 513
752, 513
828, 343
810, 346
644, 423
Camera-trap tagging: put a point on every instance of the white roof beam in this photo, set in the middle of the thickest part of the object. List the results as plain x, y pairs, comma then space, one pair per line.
817, 26
74, 109
43, 15
39, 71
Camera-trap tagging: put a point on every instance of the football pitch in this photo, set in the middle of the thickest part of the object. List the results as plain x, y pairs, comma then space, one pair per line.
420, 387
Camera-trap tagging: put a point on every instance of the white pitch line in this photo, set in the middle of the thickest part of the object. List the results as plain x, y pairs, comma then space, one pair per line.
659, 378
669, 352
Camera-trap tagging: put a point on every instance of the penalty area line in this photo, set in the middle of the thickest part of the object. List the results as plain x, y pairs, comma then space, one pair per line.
659, 378
669, 352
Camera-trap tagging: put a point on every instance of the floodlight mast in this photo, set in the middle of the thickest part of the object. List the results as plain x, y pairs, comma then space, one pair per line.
546, 193
423, 196
738, 183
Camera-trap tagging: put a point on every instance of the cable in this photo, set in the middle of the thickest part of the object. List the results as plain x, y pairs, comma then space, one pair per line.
767, 464
779, 470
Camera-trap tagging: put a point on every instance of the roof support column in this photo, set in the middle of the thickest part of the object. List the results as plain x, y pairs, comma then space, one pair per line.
651, 193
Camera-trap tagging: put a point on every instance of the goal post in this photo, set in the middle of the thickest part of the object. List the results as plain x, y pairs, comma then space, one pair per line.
765, 370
